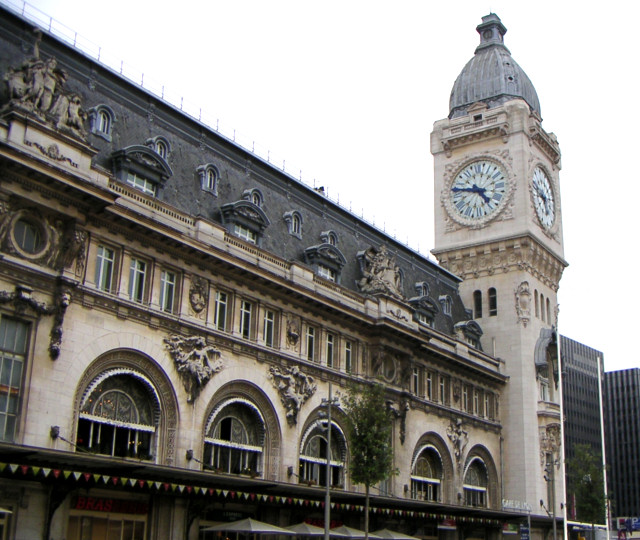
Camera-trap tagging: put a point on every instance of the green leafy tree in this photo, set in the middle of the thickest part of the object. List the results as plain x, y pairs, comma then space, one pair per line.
370, 437
586, 480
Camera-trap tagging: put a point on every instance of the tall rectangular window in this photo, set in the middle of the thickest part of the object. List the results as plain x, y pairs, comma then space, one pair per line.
442, 390
246, 311
105, 264
493, 302
465, 398
311, 343
167, 291
13, 352
137, 280
220, 313
418, 382
268, 330
429, 385
348, 356
476, 402
330, 344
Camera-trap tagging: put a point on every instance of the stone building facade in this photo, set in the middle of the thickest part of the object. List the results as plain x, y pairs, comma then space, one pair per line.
174, 310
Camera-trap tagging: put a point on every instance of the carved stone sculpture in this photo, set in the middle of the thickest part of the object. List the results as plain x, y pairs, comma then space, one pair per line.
37, 88
550, 443
22, 299
400, 411
523, 303
294, 388
380, 273
198, 294
293, 333
196, 362
459, 439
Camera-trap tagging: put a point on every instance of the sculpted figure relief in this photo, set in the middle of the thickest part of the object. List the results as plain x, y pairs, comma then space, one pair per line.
37, 87
523, 303
459, 439
294, 388
380, 273
196, 362
198, 294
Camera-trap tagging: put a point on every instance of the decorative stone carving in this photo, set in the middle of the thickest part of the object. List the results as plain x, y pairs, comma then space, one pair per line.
198, 294
196, 362
74, 250
46, 251
523, 303
22, 299
293, 333
400, 411
550, 443
459, 439
381, 274
294, 388
37, 88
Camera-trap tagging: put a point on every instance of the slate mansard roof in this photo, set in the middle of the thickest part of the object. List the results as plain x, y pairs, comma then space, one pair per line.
141, 119
492, 75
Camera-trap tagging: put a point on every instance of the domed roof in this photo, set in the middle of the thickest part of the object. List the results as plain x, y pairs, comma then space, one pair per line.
491, 76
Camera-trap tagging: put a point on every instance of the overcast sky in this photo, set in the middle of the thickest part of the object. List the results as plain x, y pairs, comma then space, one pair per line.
346, 93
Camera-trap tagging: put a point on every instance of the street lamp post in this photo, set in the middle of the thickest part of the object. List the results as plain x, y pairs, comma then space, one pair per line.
328, 402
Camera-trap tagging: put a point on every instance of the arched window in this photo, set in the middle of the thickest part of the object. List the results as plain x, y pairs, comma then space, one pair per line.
101, 119
208, 178
548, 311
542, 310
537, 302
119, 416
493, 302
234, 438
293, 219
426, 475
162, 149
477, 304
254, 196
475, 483
313, 455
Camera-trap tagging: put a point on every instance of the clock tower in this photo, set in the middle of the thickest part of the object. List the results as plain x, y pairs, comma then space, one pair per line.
498, 225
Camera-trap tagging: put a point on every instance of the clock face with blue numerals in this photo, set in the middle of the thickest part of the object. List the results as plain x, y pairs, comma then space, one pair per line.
478, 190
543, 198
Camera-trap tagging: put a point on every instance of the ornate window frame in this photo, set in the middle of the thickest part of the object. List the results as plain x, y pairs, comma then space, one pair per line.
245, 214
327, 256
160, 145
293, 219
101, 120
142, 162
209, 176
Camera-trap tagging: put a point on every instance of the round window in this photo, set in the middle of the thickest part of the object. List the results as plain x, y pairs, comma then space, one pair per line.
28, 236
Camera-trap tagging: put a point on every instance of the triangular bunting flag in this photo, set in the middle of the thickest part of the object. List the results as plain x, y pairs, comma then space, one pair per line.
45, 471
13, 468
77, 475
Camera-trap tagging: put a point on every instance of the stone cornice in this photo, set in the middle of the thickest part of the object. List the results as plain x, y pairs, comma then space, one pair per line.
517, 254
545, 142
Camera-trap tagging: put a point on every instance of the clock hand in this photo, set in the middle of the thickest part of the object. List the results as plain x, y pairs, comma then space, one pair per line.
474, 189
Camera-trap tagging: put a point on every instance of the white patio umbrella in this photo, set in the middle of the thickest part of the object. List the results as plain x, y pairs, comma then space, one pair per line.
249, 526
393, 535
306, 529
348, 532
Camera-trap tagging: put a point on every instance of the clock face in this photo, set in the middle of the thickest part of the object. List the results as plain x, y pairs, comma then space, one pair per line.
543, 198
478, 190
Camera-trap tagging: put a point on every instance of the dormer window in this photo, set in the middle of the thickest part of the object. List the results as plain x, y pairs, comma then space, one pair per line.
293, 220
422, 289
141, 168
208, 175
425, 308
469, 332
101, 119
326, 260
246, 220
445, 302
329, 237
254, 196
160, 145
